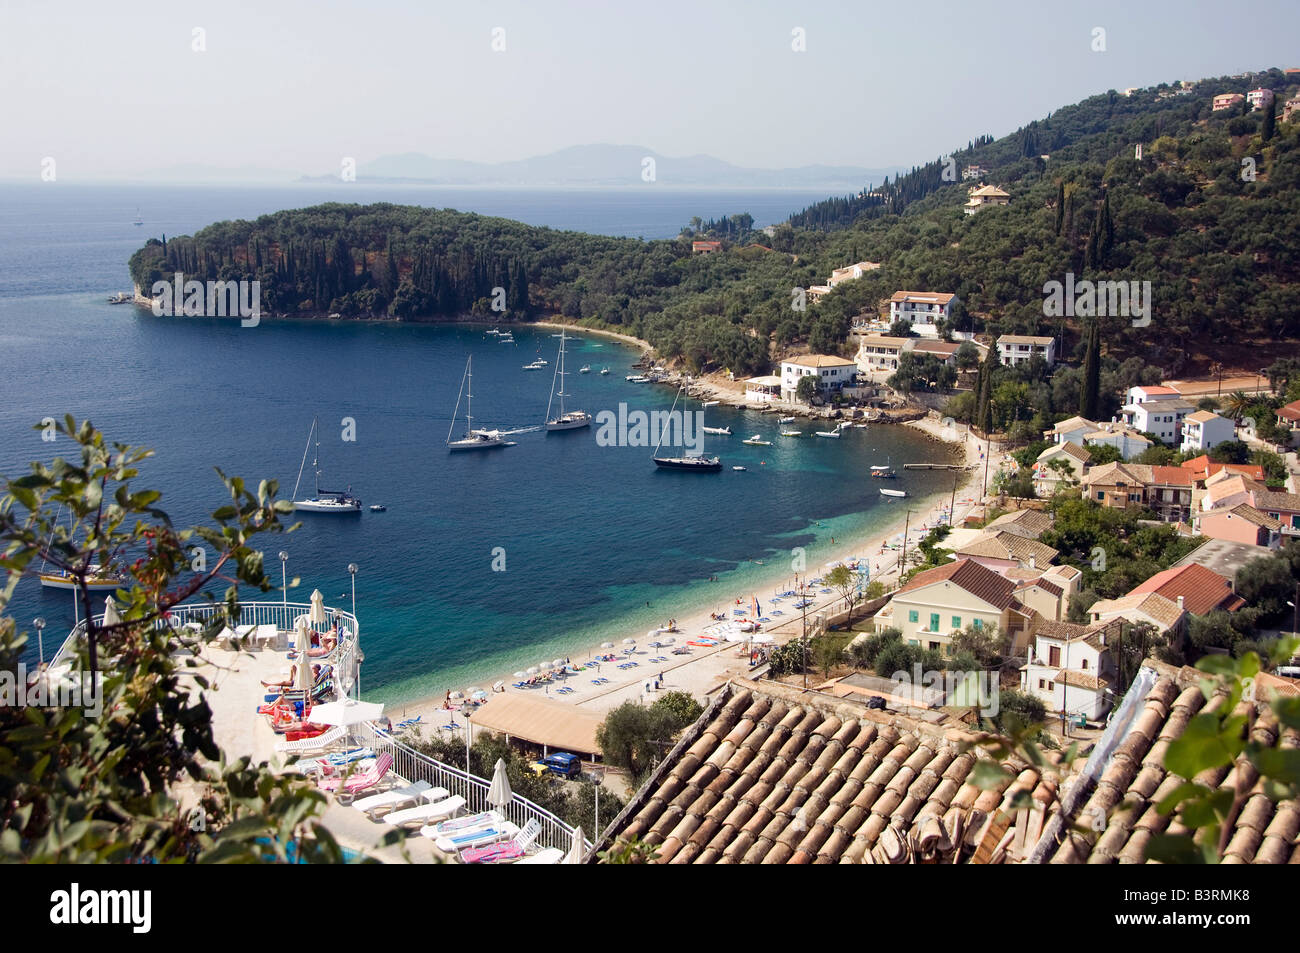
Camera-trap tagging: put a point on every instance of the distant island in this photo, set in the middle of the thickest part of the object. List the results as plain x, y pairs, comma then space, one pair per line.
604, 165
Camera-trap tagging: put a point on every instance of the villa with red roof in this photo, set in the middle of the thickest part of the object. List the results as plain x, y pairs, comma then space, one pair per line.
1194, 588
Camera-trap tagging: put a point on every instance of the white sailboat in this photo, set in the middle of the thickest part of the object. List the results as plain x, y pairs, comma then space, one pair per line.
325, 501
97, 578
473, 439
574, 419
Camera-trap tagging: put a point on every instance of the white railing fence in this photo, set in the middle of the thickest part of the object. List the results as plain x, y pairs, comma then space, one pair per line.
412, 766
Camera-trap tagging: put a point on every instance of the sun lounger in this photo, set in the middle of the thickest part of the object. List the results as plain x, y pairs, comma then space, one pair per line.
551, 855
425, 813
474, 837
317, 743
512, 849
396, 799
359, 782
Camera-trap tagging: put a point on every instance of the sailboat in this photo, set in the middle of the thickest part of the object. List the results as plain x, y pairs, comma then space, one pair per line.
698, 464
473, 439
97, 577
574, 419
325, 501
883, 472
137, 220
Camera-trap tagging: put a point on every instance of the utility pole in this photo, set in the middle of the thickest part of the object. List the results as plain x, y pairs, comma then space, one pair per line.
952, 505
1217, 368
803, 602
988, 453
902, 560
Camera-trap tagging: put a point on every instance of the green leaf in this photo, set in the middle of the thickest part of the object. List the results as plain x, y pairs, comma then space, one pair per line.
1199, 748
1173, 849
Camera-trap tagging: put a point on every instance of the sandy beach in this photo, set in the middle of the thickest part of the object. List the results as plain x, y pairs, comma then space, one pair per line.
706, 668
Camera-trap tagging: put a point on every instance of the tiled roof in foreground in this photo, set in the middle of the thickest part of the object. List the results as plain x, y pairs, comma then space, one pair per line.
772, 775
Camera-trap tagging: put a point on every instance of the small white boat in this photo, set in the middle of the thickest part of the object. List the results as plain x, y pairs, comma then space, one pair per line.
506, 338
740, 468
720, 431
378, 508
585, 369
786, 420
493, 333
833, 434
535, 366
884, 492
636, 379
791, 433
711, 403
604, 371
757, 441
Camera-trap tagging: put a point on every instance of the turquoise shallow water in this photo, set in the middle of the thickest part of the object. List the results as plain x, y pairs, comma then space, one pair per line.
590, 534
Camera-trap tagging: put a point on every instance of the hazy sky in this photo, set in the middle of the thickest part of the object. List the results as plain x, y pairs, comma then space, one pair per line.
117, 90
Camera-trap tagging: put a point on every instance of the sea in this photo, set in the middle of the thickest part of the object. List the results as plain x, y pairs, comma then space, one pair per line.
483, 562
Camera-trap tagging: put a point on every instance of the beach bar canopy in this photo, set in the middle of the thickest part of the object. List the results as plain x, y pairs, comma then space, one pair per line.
554, 724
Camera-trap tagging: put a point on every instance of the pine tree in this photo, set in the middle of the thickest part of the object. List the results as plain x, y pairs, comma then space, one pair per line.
1090, 390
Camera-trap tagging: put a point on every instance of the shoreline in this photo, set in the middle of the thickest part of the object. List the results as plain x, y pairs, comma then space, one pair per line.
706, 668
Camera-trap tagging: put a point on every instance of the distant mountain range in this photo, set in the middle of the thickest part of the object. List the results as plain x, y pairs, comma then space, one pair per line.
607, 165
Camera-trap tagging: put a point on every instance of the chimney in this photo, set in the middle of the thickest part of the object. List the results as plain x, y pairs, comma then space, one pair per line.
1180, 602
1033, 562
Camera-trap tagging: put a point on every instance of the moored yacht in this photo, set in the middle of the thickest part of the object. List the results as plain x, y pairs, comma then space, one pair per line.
325, 501
472, 439
573, 419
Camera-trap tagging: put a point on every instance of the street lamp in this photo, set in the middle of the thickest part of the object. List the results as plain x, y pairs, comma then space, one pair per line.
284, 578
352, 570
39, 622
356, 637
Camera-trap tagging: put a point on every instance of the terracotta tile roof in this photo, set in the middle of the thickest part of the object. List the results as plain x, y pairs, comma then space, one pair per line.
1151, 604
1133, 781
1203, 590
936, 347
1109, 474
1171, 476
1025, 339
1149, 390
1201, 416
1248, 513
1009, 545
1059, 629
979, 581
991, 190
882, 340
771, 775
818, 360
1065, 572
775, 776
1025, 522
1202, 467
1290, 412
1072, 676
1270, 500
1074, 423
922, 297
1069, 448
1042, 583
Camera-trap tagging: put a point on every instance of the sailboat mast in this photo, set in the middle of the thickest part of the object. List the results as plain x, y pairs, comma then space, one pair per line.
469, 396
303, 465
561, 393
454, 413
670, 417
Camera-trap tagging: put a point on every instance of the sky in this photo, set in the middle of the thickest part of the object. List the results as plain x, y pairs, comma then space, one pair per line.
121, 90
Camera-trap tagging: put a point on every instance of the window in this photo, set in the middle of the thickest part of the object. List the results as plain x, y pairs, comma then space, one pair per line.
912, 615
1085, 665
1042, 683
913, 642
979, 624
934, 645
956, 622
1101, 495
934, 622
1051, 686
1054, 655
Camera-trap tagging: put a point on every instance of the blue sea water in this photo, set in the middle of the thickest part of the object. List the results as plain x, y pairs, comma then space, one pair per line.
594, 537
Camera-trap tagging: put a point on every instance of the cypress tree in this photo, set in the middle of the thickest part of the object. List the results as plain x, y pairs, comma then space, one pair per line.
1107, 234
984, 404
1269, 125
1091, 388
1060, 206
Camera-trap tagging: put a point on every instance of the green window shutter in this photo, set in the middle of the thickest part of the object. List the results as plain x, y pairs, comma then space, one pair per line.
956, 622
979, 623
912, 616
934, 622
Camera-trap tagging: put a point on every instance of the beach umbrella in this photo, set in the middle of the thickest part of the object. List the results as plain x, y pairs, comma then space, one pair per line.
457, 694
499, 794
629, 641
346, 712
111, 615
498, 686
478, 694
761, 639
669, 641
577, 849
533, 670
317, 615
558, 663
521, 675
606, 645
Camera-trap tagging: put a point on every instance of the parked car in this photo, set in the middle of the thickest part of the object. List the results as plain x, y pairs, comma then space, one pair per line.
561, 763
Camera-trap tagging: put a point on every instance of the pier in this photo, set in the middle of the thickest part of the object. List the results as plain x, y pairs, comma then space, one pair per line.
936, 466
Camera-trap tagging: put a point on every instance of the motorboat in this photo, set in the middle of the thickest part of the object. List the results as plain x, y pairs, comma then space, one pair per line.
719, 431
740, 469
833, 434
757, 441
791, 433
585, 369
533, 366
884, 492
786, 420
604, 371
378, 508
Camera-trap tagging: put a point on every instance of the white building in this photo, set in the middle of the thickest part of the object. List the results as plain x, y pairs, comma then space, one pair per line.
880, 352
1164, 418
1016, 349
852, 272
1128, 442
983, 197
1070, 668
921, 309
1260, 98
1204, 430
1071, 430
1145, 393
832, 373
